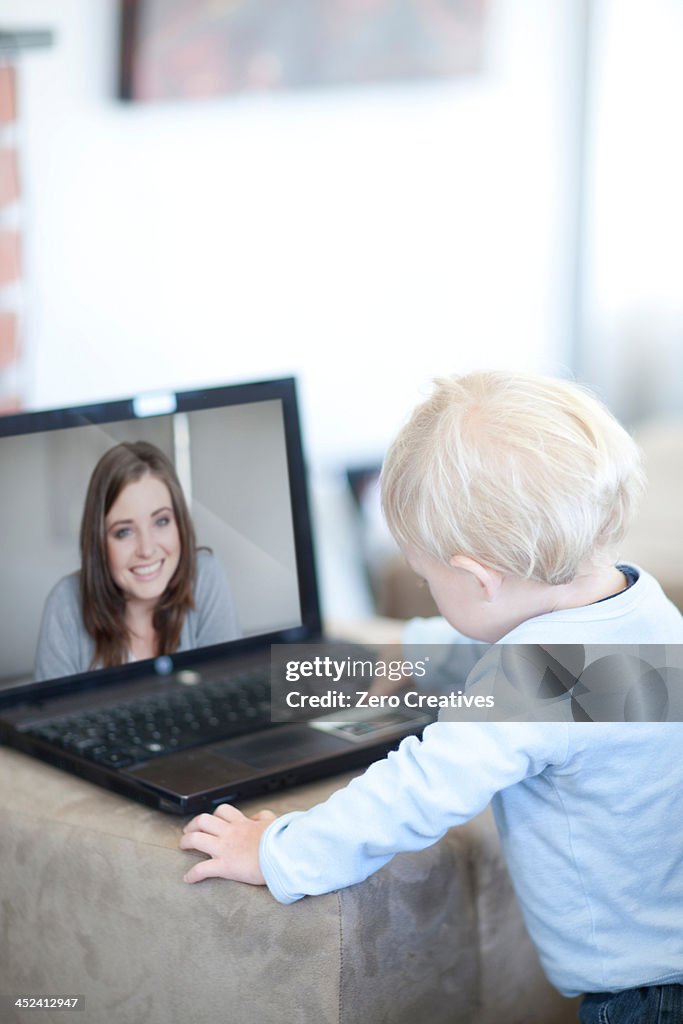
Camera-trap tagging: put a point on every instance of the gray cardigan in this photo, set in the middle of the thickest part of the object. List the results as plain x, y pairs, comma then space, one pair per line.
66, 648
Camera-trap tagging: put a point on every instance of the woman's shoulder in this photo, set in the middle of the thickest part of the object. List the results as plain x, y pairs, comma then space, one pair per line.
64, 647
213, 619
66, 591
209, 569
205, 557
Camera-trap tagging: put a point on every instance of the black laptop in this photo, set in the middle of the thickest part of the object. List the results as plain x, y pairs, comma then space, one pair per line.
188, 730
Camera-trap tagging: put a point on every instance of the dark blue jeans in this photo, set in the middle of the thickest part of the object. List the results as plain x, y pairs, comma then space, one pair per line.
658, 1004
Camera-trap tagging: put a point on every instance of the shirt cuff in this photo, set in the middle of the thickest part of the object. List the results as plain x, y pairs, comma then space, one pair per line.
268, 859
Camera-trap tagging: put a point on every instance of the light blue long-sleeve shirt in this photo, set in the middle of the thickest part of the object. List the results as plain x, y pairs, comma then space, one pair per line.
590, 815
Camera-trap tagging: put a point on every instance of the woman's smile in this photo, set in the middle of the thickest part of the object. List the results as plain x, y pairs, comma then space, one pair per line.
148, 572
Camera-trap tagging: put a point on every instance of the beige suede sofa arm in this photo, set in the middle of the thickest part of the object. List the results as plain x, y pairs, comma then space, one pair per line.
92, 903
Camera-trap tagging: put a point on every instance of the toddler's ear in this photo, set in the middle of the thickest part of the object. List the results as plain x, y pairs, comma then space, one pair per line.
488, 579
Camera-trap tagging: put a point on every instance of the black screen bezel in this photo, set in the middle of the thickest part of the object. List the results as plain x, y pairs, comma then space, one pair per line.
283, 390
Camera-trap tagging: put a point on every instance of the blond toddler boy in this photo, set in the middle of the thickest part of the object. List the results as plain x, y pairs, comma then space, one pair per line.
510, 494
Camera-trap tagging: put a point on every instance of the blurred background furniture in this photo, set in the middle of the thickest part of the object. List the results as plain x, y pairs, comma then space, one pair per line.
656, 539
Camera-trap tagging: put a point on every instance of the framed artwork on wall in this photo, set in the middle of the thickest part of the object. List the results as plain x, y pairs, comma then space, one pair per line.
177, 49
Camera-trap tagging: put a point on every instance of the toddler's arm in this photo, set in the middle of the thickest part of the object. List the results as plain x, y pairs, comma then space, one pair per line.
405, 802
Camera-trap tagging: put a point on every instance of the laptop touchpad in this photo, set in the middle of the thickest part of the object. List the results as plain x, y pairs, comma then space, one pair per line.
279, 748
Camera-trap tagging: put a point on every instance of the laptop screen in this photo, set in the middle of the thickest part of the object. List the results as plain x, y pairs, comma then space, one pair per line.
152, 533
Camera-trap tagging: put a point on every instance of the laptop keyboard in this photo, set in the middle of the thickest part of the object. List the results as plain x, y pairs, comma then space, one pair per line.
160, 724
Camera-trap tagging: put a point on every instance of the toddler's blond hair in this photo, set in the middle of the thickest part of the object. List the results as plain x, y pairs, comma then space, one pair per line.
531, 476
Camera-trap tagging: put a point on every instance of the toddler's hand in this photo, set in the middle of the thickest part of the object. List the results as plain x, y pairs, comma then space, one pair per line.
231, 840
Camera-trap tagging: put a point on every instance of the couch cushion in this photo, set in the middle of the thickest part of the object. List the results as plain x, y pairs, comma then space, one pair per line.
92, 902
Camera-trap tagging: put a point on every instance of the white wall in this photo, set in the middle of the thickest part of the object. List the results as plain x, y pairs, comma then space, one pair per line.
633, 266
365, 239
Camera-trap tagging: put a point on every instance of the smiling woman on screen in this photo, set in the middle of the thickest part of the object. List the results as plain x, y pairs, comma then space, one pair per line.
144, 589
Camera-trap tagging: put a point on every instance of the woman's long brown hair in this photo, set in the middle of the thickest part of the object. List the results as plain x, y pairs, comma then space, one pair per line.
103, 603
